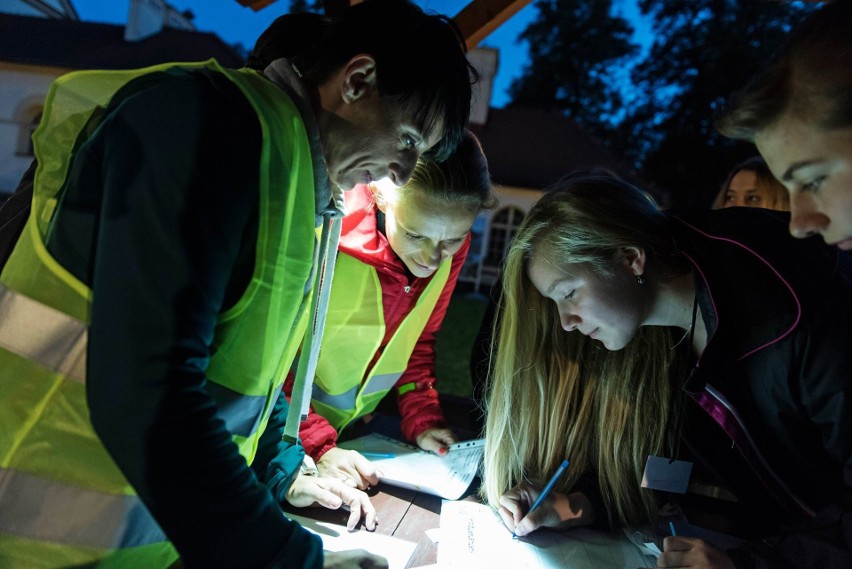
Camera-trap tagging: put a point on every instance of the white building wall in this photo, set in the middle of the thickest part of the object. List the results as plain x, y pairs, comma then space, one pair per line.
486, 61
22, 89
521, 198
475, 271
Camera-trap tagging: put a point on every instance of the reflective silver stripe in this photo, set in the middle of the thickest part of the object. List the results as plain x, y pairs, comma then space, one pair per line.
42, 334
345, 400
303, 380
382, 382
45, 510
242, 413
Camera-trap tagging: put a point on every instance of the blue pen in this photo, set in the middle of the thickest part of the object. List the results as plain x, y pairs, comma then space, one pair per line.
378, 454
671, 527
544, 493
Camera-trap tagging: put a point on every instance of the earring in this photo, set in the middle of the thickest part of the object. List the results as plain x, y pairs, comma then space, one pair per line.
640, 280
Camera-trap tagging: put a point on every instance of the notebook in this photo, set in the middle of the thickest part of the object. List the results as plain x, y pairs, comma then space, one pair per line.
410, 467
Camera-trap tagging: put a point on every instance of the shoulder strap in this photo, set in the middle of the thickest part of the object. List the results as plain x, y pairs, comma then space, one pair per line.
300, 398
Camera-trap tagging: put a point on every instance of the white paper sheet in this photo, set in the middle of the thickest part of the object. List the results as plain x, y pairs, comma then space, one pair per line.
472, 535
445, 476
338, 538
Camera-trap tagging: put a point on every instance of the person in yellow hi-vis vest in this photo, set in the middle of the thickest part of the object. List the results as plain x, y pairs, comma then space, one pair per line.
401, 251
157, 295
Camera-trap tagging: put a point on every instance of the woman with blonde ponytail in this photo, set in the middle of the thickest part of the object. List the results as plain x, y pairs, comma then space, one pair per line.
626, 332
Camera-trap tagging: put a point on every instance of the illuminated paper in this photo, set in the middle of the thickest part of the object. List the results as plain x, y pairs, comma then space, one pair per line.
445, 476
338, 538
473, 535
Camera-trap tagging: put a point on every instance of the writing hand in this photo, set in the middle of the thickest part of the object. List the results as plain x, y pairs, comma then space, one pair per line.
349, 466
692, 552
436, 440
557, 510
332, 493
353, 559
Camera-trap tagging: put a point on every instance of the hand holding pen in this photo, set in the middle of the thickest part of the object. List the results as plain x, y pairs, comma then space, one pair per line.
542, 512
692, 552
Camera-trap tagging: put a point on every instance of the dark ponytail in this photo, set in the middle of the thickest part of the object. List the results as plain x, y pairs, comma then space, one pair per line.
290, 36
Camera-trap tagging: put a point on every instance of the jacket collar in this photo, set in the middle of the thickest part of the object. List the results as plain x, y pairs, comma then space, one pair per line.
329, 198
361, 236
746, 302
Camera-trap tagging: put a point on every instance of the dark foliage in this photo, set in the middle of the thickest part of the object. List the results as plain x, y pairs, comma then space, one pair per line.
702, 52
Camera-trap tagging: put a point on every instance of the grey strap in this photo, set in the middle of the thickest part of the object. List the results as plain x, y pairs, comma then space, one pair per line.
300, 399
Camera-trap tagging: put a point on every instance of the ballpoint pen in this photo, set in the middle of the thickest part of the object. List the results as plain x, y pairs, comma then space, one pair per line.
544, 493
369, 454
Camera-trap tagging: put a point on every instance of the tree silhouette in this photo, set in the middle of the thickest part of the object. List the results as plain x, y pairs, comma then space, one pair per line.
575, 46
660, 117
703, 51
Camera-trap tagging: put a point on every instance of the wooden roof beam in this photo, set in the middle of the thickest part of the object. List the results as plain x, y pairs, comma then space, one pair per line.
256, 5
481, 17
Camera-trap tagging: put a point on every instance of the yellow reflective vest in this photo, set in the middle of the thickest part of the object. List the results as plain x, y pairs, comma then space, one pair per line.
63, 501
344, 388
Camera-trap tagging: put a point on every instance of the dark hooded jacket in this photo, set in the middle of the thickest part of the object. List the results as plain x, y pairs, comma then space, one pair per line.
769, 402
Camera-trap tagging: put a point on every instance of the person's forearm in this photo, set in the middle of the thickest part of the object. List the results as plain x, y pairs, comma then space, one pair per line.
420, 410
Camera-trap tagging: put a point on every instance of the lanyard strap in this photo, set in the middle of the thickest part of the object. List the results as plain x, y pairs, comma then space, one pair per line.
304, 381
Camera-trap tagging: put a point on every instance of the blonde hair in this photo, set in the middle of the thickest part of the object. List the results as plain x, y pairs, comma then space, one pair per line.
554, 394
462, 180
770, 188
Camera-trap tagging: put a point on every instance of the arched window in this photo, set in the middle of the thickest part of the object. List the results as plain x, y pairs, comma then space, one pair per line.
504, 225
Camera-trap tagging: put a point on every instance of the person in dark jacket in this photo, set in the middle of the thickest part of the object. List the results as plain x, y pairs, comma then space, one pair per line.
711, 337
798, 112
159, 291
751, 184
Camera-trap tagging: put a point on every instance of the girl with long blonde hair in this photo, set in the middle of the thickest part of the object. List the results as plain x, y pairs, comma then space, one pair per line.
625, 332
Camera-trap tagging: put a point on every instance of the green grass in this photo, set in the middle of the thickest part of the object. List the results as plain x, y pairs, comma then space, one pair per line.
461, 324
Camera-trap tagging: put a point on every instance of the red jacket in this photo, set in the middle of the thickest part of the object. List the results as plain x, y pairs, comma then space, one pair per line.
361, 239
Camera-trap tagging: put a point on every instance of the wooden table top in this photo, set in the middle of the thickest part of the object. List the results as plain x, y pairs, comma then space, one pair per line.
405, 514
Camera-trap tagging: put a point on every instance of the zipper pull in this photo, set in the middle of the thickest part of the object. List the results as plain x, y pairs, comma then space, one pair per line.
407, 289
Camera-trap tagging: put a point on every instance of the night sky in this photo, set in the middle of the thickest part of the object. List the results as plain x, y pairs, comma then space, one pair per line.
237, 24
